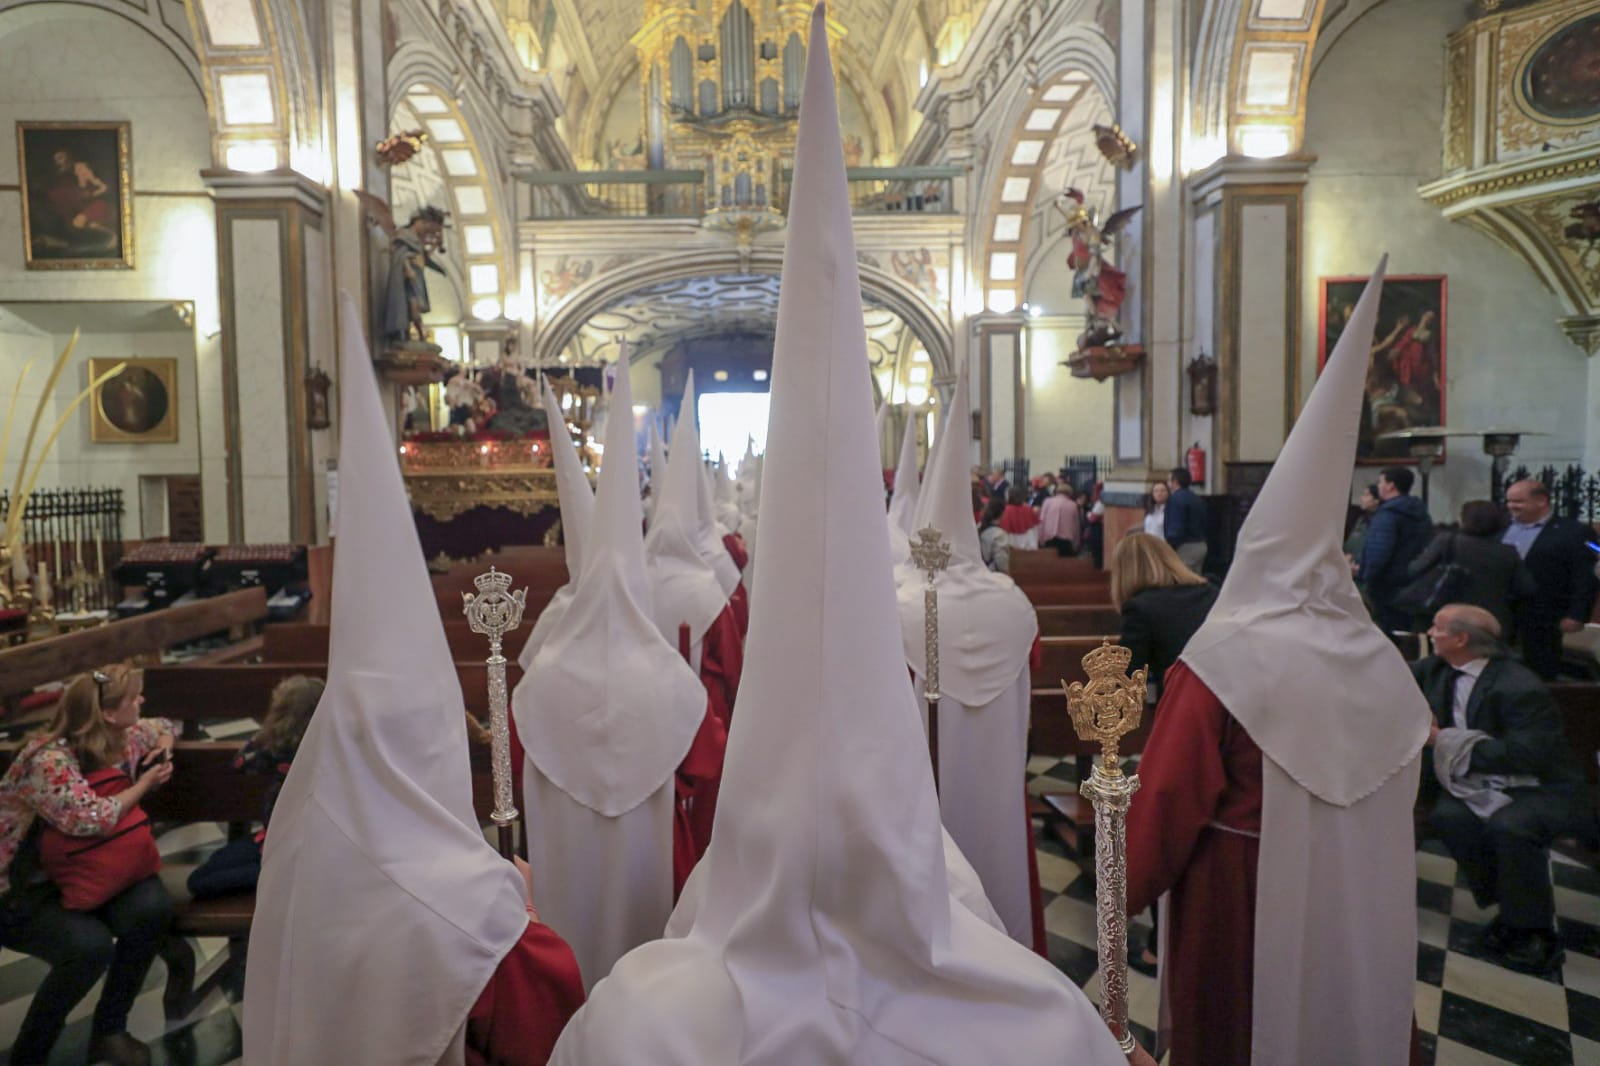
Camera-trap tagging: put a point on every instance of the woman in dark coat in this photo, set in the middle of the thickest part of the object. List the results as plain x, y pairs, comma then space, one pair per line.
1162, 601
1496, 576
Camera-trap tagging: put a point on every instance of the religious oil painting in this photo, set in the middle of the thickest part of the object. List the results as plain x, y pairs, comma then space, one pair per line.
76, 194
1405, 386
139, 405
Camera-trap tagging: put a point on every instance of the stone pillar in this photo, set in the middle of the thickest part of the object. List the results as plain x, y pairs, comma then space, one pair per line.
997, 343
277, 322
1247, 215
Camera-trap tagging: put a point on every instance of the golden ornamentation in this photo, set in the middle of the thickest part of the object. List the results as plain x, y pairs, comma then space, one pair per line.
1111, 705
1521, 129
459, 455
1458, 103
444, 496
1453, 193
1552, 217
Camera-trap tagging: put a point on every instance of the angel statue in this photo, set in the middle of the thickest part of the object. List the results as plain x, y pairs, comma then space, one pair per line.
1103, 285
411, 251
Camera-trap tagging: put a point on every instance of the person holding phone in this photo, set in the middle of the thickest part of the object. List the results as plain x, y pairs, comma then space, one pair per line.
96, 727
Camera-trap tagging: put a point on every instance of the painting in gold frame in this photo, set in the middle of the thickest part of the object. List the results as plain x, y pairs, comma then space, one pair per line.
77, 195
138, 406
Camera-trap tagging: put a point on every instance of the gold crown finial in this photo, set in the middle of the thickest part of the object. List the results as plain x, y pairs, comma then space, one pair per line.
1111, 705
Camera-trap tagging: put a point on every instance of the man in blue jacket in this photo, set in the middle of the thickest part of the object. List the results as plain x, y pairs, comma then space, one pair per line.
1184, 521
1399, 530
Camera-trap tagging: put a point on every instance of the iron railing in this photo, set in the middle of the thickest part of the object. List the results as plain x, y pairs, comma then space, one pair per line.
71, 532
615, 193
1574, 491
682, 193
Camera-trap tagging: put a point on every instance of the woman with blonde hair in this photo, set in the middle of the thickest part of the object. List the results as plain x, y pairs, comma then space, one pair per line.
96, 727
1162, 601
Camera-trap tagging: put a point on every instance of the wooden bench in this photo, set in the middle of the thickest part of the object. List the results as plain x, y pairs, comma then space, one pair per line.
205, 787
42, 662
299, 642
1079, 621
200, 695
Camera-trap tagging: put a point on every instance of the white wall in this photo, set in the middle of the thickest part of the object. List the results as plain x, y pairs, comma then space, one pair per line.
1374, 123
1064, 415
73, 63
20, 345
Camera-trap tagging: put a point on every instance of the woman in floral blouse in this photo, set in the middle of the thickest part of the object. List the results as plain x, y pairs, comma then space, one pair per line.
96, 726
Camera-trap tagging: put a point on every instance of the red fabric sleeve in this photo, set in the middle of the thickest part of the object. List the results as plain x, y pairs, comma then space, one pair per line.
721, 662
1181, 783
534, 992
699, 779
1036, 654
735, 545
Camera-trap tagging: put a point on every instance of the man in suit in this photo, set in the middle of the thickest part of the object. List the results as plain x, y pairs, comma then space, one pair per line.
1512, 791
1184, 520
1554, 550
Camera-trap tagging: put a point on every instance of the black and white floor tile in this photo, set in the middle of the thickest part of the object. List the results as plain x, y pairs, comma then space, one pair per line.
1471, 1012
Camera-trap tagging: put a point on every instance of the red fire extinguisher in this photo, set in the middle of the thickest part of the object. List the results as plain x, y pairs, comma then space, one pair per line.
1195, 458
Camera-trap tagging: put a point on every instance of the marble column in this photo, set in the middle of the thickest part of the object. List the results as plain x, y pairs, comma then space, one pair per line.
1247, 275
277, 323
997, 343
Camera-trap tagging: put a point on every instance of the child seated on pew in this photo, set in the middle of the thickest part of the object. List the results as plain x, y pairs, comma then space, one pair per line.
236, 866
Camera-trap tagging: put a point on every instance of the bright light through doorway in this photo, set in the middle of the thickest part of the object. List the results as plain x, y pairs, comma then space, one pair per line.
728, 419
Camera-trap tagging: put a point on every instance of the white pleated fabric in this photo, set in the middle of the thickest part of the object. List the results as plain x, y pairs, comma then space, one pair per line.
607, 711
382, 913
985, 642
981, 749
576, 498
826, 933
727, 504
1336, 909
686, 587
907, 491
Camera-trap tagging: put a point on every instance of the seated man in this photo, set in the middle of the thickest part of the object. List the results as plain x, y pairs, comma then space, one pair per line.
1505, 783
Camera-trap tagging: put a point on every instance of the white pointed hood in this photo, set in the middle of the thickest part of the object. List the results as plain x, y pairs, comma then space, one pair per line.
711, 531
722, 497
658, 474
374, 841
986, 624
1289, 616
577, 509
878, 419
907, 491
686, 586
1294, 657
608, 708
827, 934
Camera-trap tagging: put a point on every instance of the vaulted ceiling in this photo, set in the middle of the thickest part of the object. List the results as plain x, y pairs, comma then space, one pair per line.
584, 46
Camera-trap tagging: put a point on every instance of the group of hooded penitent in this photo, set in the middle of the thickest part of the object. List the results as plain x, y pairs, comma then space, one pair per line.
832, 919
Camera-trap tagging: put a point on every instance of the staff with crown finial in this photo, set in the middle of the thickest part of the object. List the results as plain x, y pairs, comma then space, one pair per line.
930, 553
1105, 710
493, 611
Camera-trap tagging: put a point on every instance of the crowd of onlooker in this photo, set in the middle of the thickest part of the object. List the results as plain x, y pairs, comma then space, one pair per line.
1530, 568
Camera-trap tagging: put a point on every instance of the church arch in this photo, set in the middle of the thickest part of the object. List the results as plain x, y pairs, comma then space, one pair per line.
477, 206
1250, 72
878, 285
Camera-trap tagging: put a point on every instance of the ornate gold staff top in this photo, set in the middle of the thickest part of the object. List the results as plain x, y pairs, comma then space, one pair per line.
493, 611
1107, 709
930, 553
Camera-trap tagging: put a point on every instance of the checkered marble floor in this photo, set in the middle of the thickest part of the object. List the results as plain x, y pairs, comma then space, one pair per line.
1471, 1012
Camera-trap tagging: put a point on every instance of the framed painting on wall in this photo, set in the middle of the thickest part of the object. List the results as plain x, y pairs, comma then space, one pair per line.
1405, 387
77, 195
139, 405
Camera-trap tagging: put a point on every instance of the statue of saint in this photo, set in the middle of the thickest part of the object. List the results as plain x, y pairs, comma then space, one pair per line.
411, 251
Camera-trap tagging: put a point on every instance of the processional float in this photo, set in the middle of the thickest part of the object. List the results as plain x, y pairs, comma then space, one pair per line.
1105, 710
493, 611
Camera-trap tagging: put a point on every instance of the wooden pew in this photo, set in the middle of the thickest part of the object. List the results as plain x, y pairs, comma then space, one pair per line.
301, 642
1079, 620
26, 667
1074, 595
1580, 716
196, 696
205, 787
